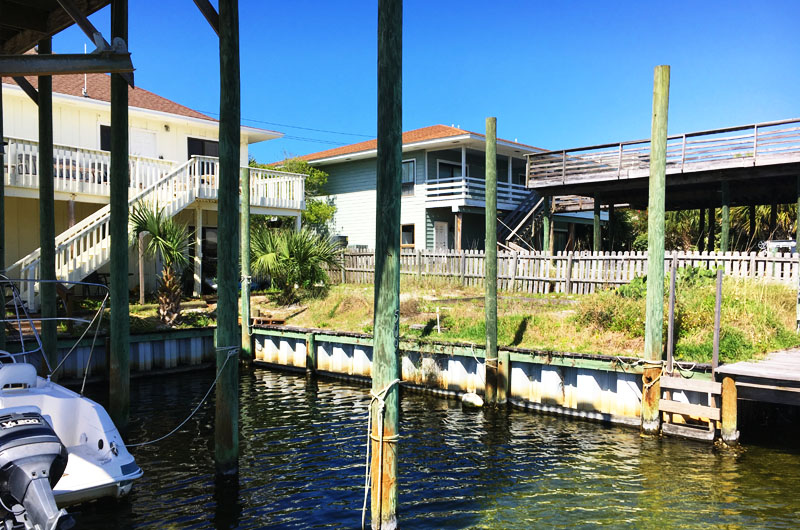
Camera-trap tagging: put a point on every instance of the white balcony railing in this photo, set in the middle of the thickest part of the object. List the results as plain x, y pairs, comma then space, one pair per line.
77, 170
471, 191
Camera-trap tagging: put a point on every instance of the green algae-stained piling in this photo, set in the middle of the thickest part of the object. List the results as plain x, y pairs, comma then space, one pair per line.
496, 370
47, 223
226, 423
597, 238
655, 251
311, 355
385, 408
244, 235
119, 357
725, 234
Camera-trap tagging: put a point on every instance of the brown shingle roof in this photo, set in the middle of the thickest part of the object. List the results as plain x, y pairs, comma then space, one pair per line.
434, 132
98, 87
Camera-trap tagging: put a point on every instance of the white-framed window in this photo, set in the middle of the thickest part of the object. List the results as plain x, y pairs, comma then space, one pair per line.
409, 176
445, 169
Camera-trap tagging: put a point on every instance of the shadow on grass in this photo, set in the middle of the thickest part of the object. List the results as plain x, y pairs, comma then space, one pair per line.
519, 334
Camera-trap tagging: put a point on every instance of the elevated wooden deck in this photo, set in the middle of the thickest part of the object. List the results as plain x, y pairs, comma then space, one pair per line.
775, 379
760, 162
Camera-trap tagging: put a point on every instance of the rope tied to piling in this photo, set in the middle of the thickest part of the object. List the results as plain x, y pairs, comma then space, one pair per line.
381, 438
232, 351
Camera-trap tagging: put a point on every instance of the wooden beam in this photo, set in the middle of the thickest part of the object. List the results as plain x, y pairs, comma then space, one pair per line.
65, 64
654, 319
689, 409
210, 13
27, 87
119, 355
57, 20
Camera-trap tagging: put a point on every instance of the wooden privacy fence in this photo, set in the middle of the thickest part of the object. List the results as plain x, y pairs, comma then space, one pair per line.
564, 272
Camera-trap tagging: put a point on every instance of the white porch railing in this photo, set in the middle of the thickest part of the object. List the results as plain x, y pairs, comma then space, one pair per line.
76, 170
85, 247
471, 190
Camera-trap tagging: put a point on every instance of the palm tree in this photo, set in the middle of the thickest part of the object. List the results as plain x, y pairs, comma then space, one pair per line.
169, 240
291, 259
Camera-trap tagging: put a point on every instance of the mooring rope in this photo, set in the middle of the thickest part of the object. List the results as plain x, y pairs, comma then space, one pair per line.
232, 351
381, 439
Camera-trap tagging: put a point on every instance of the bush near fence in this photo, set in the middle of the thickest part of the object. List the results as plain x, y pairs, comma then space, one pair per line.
564, 272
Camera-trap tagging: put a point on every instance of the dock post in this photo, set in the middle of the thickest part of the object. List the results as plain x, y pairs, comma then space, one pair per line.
47, 227
244, 238
729, 412
651, 389
226, 422
496, 373
725, 234
311, 355
385, 406
546, 221
701, 242
597, 237
119, 354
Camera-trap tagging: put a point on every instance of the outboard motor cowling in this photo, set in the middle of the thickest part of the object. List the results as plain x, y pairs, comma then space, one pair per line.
32, 460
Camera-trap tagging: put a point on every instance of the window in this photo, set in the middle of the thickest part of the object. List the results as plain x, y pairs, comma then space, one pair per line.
105, 138
409, 176
200, 147
407, 236
449, 170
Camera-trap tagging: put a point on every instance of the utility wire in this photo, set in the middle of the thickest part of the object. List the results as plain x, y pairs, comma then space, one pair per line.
296, 126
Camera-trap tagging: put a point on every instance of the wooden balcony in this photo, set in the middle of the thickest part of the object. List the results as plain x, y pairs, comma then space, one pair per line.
471, 191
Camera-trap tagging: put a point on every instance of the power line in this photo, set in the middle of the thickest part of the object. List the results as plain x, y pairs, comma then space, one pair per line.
296, 126
314, 140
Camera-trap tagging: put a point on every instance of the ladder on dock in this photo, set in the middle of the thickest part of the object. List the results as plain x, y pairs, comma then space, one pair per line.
686, 419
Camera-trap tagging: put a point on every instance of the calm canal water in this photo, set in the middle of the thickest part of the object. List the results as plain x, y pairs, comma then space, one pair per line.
302, 466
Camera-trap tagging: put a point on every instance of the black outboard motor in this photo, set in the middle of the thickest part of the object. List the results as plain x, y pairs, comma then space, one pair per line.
32, 460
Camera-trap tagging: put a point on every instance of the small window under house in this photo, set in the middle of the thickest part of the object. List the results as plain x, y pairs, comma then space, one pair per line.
409, 174
407, 236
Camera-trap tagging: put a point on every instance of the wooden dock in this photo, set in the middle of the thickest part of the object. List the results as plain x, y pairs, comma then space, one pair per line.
760, 162
775, 379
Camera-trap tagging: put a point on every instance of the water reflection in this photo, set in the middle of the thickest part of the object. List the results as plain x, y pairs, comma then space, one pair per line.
302, 459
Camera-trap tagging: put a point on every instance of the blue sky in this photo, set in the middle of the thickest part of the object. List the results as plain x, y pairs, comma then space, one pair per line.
555, 74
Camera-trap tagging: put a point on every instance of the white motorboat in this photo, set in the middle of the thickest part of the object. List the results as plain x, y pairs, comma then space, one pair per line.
57, 447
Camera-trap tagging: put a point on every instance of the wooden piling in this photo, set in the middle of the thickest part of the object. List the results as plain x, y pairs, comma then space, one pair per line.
611, 229
47, 224
597, 237
226, 425
651, 419
701, 242
311, 354
244, 238
496, 370
717, 322
730, 434
673, 272
546, 221
384, 410
119, 355
751, 218
725, 234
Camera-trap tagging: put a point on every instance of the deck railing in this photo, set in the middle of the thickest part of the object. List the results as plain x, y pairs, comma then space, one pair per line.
75, 169
744, 146
474, 189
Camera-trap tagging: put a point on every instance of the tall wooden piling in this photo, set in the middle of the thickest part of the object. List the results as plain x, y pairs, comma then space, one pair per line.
701, 242
384, 409
730, 434
119, 354
226, 425
244, 237
47, 223
725, 233
496, 371
597, 238
651, 420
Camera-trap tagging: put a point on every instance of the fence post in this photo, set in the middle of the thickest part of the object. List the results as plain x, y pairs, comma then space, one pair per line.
463, 266
513, 272
568, 275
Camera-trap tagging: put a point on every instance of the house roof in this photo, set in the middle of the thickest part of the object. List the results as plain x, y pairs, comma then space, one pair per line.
425, 134
98, 88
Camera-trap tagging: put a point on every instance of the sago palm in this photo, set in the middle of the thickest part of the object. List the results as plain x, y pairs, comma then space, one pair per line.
169, 240
291, 259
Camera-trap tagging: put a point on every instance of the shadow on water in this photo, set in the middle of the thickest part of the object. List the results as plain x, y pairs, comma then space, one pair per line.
302, 465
